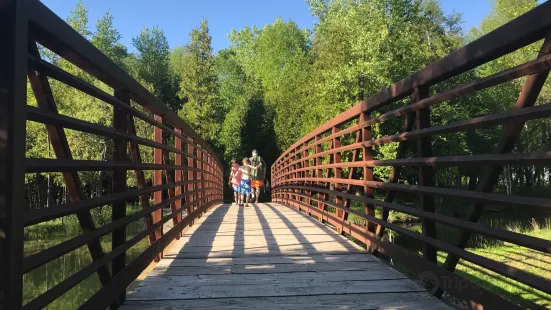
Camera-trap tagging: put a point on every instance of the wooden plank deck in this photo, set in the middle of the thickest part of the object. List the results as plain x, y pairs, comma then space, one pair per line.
270, 256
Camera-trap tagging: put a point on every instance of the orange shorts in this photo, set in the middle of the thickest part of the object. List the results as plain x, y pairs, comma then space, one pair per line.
256, 183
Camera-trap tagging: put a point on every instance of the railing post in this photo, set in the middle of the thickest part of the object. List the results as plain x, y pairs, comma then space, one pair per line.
426, 174
307, 174
336, 143
13, 93
319, 174
118, 209
190, 177
201, 167
178, 177
209, 178
367, 154
140, 177
294, 177
169, 176
158, 180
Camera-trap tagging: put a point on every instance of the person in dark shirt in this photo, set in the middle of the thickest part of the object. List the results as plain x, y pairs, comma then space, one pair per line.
258, 176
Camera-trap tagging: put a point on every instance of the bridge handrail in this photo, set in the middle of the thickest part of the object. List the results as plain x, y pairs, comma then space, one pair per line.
327, 172
187, 176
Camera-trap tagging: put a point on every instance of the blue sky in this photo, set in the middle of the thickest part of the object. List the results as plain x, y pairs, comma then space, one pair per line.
177, 17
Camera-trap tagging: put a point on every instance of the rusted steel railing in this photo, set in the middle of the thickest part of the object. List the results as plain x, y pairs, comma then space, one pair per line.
310, 175
187, 177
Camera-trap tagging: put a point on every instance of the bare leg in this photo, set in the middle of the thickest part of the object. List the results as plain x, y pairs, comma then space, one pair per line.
257, 193
236, 197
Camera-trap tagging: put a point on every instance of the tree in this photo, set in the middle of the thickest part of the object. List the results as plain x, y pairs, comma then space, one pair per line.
107, 39
78, 19
277, 58
199, 86
152, 65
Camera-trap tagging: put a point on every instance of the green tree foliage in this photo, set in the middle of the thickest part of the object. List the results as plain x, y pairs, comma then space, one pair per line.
274, 84
277, 58
152, 66
106, 39
198, 84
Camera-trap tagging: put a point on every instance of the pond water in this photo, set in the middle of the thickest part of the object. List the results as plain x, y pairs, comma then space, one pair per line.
41, 279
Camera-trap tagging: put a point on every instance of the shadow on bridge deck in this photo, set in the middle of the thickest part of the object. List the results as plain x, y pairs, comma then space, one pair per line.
271, 256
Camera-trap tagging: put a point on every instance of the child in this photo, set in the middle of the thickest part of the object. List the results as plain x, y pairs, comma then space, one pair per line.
246, 181
235, 181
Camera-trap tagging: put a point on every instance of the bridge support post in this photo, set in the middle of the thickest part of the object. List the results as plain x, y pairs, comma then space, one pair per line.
319, 174
169, 176
157, 181
426, 174
200, 177
367, 154
118, 209
13, 92
395, 174
337, 173
190, 178
140, 177
178, 177
307, 174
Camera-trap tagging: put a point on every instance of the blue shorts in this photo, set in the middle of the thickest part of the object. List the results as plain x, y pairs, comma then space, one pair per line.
236, 188
245, 187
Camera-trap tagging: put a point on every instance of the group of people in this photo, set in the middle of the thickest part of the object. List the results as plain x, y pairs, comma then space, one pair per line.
247, 179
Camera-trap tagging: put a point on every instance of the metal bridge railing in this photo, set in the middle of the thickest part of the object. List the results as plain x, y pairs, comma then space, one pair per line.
331, 167
187, 171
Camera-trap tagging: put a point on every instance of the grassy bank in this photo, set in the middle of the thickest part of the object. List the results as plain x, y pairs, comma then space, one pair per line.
524, 259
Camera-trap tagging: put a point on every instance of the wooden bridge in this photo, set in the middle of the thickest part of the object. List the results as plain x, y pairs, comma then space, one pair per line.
319, 244
270, 256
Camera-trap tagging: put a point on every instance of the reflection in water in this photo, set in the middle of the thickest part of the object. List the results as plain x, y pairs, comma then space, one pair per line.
41, 279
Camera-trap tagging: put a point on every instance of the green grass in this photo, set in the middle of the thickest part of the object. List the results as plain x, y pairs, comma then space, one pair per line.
531, 261
531, 222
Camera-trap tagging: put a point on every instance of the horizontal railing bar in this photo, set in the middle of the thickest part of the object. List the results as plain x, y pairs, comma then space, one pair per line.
337, 120
106, 294
36, 260
520, 115
533, 158
528, 68
74, 279
511, 272
324, 153
525, 69
39, 115
436, 191
33, 165
69, 79
38, 216
534, 243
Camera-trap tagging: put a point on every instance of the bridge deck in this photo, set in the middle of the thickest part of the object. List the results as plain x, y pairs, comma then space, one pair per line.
271, 256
